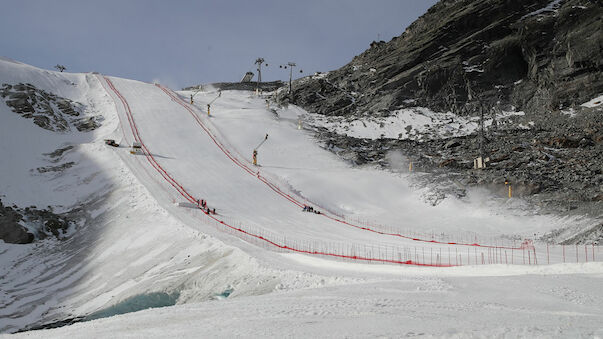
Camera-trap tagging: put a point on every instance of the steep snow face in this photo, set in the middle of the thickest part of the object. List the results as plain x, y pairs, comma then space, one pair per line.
122, 242
369, 195
26, 147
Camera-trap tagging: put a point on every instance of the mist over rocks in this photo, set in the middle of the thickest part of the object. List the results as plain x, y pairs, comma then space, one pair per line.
541, 59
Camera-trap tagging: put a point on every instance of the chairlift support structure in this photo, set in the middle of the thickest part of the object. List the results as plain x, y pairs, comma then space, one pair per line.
259, 62
290, 65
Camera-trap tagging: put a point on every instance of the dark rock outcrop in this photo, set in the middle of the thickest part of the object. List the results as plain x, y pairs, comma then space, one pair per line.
42, 222
11, 231
47, 110
544, 57
240, 86
536, 55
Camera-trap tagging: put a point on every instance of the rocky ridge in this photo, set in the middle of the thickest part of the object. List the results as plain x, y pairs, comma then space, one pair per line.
542, 59
538, 56
49, 111
240, 86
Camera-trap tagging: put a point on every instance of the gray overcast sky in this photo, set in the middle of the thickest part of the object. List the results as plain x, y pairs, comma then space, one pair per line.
182, 43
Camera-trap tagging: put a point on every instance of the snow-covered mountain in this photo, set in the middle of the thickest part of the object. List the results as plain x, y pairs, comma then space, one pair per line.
531, 69
102, 231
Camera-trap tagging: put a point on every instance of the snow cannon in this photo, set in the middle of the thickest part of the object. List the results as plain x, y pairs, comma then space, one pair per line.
255, 150
211, 102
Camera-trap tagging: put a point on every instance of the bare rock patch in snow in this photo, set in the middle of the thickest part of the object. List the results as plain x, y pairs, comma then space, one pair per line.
49, 111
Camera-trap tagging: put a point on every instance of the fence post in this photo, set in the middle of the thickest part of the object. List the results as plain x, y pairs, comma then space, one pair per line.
440, 257
423, 255
523, 255
563, 249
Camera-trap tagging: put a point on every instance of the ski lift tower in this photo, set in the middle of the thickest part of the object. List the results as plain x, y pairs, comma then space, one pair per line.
259, 62
290, 65
481, 160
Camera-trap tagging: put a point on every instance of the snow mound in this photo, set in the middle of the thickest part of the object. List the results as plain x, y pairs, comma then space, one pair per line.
596, 102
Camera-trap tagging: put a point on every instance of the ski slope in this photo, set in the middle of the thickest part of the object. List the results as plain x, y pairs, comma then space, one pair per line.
260, 251
265, 201
124, 243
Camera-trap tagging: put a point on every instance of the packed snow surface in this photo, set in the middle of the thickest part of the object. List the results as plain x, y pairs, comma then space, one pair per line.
136, 239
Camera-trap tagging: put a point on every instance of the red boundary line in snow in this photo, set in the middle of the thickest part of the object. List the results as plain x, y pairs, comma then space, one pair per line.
190, 198
275, 188
146, 152
121, 125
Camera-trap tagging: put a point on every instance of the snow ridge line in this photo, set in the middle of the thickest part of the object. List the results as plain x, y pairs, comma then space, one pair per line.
123, 131
190, 198
275, 188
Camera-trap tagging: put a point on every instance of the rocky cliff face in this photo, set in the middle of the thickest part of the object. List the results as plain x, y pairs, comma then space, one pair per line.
469, 57
538, 56
47, 110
